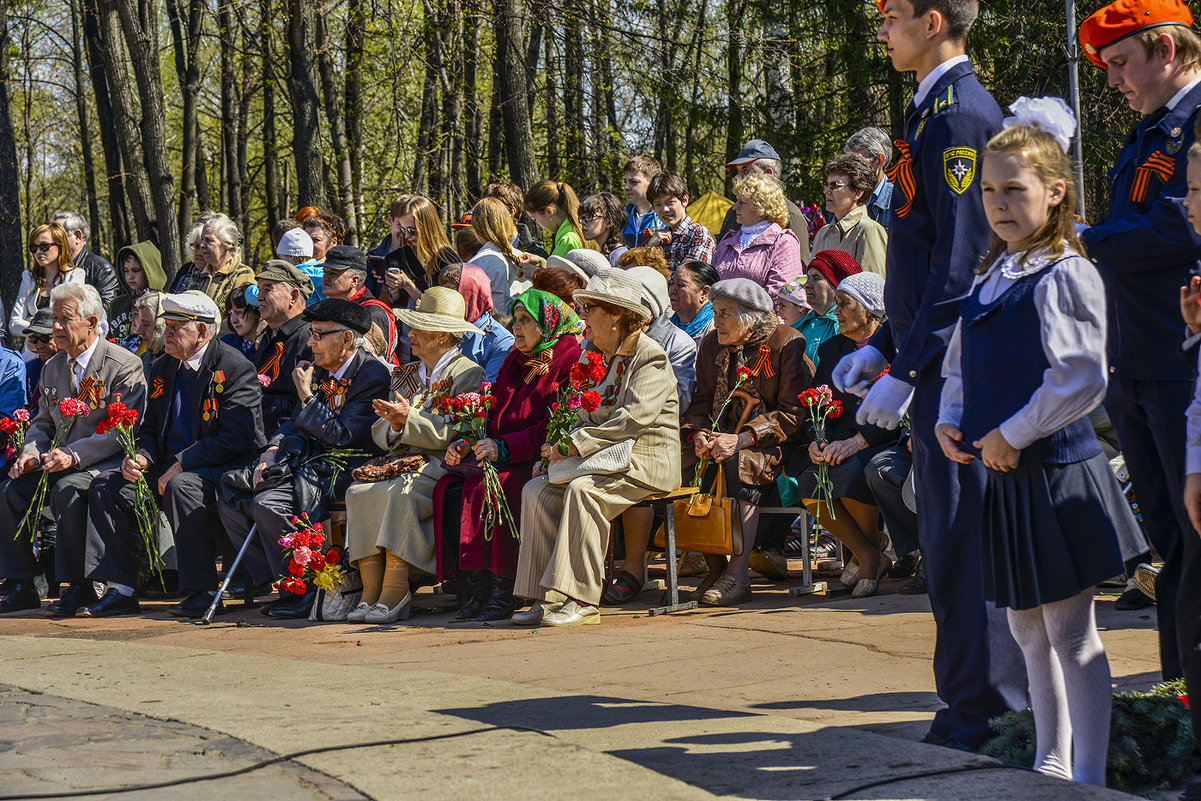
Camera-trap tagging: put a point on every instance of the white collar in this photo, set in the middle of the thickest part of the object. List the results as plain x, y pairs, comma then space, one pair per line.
1176, 98
85, 357
197, 357
430, 378
1013, 266
927, 83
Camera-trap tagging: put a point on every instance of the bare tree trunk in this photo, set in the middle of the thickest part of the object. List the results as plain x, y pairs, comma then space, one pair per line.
573, 103
275, 206
344, 201
139, 20
698, 44
553, 168
533, 48
511, 73
496, 120
429, 103
12, 248
85, 135
114, 174
242, 134
606, 71
451, 76
473, 125
231, 185
306, 103
734, 84
186, 43
356, 21
204, 197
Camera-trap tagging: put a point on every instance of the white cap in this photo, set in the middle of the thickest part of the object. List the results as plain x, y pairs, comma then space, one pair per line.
295, 242
191, 305
584, 262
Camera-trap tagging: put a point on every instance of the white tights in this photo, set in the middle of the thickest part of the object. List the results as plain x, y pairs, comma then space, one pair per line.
1069, 687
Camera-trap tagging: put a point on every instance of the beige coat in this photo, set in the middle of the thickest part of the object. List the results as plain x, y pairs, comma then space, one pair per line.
397, 515
856, 234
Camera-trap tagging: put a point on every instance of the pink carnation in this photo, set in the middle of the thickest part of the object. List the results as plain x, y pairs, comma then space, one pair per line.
264, 380
574, 402
302, 556
71, 407
21, 415
285, 542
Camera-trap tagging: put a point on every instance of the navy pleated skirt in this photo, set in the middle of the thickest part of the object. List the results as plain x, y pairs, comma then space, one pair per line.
1052, 531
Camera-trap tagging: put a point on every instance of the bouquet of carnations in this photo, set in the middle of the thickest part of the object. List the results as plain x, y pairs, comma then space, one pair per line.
15, 427
121, 420
577, 394
67, 409
820, 405
744, 375
309, 561
468, 414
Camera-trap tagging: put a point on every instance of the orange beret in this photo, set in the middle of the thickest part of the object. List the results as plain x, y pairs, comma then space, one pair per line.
1124, 18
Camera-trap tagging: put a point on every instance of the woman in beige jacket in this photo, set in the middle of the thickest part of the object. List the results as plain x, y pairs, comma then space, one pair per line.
850, 180
565, 526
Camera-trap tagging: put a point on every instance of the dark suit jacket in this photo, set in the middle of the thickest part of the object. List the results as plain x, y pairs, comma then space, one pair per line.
276, 358
348, 423
233, 432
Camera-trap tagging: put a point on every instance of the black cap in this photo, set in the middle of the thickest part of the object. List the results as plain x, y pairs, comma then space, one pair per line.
346, 313
40, 324
345, 257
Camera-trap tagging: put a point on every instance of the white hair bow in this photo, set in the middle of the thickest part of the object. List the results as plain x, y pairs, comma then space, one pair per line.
1049, 114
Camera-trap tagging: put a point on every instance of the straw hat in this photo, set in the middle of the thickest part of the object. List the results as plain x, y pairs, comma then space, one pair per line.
616, 287
440, 309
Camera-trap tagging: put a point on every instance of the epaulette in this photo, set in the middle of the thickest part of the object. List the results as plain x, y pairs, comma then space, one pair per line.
944, 100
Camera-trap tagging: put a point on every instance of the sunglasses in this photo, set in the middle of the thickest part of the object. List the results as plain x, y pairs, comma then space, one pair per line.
41, 247
38, 339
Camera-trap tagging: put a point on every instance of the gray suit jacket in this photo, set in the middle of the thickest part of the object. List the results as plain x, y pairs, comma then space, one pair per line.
112, 370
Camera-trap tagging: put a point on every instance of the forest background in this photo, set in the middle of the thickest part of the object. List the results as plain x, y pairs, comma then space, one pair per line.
142, 113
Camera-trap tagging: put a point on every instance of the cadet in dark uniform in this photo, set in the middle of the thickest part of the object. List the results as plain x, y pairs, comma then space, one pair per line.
1144, 248
937, 235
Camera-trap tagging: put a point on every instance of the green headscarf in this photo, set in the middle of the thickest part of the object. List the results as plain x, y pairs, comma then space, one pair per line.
554, 317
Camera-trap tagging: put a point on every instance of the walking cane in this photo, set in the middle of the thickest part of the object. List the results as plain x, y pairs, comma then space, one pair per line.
229, 576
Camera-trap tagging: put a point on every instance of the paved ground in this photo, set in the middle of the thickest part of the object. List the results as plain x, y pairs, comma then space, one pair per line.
786, 698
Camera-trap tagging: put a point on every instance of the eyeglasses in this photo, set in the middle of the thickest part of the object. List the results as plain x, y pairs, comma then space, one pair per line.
38, 339
42, 247
317, 335
587, 218
834, 187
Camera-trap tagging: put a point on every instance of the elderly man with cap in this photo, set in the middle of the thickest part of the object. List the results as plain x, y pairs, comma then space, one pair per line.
336, 392
202, 415
759, 158
1144, 248
345, 273
283, 293
90, 369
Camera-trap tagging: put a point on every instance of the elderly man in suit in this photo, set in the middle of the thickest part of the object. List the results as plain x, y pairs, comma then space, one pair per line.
92, 370
335, 412
283, 292
203, 415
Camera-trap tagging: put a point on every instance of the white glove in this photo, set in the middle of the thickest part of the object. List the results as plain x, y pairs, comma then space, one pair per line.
856, 371
886, 403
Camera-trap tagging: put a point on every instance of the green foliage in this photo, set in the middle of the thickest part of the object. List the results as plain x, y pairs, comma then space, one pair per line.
1151, 745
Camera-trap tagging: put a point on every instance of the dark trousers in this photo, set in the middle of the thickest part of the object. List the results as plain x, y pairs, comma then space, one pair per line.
272, 511
886, 474
66, 500
978, 668
1148, 417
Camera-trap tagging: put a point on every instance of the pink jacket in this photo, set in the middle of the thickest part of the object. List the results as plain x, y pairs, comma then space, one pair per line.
771, 261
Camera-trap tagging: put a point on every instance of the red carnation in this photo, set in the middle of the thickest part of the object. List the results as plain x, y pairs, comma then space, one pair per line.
596, 357
835, 410
745, 373
591, 400
332, 557
295, 570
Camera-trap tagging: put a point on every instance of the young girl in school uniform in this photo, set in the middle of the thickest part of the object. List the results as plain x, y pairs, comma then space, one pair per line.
1024, 367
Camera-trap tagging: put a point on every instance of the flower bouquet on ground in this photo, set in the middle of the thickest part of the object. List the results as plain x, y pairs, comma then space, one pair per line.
15, 427
68, 409
121, 421
308, 559
744, 375
820, 405
469, 416
577, 394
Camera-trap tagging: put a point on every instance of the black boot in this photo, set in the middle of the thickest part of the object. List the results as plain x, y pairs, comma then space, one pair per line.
500, 604
481, 591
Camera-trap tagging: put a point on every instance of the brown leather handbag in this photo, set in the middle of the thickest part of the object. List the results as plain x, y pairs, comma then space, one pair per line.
707, 522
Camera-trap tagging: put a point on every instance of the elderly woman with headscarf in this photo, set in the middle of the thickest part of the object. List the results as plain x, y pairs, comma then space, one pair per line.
544, 351
490, 349
852, 515
747, 334
389, 522
624, 448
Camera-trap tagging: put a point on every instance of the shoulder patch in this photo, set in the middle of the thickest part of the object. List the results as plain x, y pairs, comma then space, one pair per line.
959, 168
944, 100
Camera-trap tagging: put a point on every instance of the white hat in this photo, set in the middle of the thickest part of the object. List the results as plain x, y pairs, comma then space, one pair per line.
654, 289
584, 262
868, 289
616, 287
295, 242
190, 305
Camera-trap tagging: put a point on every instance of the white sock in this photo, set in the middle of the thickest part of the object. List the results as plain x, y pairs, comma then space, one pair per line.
124, 589
1070, 687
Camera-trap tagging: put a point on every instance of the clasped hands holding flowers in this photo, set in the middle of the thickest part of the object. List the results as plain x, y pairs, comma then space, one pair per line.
720, 446
836, 452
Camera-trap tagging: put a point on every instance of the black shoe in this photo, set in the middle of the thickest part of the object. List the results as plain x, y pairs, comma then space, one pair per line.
70, 602
1192, 790
481, 592
500, 604
237, 590
196, 604
21, 597
294, 608
916, 586
948, 742
1130, 600
905, 566
113, 603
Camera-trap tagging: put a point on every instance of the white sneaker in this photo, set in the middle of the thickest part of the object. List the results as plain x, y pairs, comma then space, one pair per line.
359, 613
535, 614
382, 614
572, 614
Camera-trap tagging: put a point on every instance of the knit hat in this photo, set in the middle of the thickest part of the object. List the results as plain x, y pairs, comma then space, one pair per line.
835, 265
1124, 18
654, 289
794, 292
615, 287
295, 243
744, 292
868, 289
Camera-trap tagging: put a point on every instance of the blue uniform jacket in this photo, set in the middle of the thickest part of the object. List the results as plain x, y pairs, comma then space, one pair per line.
1144, 247
938, 232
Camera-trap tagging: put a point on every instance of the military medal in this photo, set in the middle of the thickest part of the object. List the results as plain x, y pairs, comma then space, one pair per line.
219, 380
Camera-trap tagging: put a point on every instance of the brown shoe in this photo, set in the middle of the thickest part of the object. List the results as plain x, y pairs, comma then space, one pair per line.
727, 592
770, 564
692, 564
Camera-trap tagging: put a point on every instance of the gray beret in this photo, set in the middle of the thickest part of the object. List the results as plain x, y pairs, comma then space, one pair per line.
744, 292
